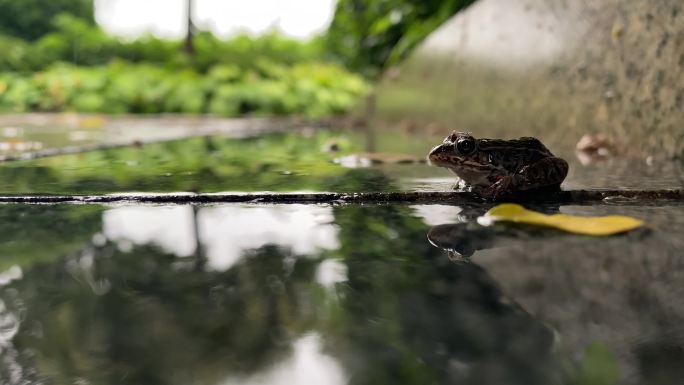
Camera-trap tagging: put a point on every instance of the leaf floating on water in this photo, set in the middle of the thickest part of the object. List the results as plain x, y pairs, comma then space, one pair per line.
608, 225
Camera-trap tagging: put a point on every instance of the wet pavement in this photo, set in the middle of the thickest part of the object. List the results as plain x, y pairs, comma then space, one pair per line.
28, 136
298, 159
302, 294
327, 293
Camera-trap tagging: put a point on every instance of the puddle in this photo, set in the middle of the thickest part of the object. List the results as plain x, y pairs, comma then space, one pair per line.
340, 294
300, 160
28, 135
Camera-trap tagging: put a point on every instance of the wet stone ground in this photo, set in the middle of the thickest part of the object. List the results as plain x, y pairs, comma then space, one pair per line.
327, 293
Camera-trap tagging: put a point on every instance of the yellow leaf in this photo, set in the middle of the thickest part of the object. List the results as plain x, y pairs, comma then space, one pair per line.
608, 225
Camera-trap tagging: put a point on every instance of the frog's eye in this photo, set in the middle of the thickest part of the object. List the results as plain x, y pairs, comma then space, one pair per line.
465, 146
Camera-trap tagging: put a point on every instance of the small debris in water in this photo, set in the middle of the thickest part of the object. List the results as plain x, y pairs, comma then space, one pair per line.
594, 147
79, 136
376, 158
331, 146
12, 132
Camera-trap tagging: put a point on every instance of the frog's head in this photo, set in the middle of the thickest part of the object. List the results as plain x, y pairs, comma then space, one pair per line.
460, 153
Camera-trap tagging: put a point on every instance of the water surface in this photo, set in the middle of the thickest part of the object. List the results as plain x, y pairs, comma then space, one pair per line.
295, 294
298, 160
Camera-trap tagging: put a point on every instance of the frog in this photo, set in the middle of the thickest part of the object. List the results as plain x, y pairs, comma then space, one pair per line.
497, 168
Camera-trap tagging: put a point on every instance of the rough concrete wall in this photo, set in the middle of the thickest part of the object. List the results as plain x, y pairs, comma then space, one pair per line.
556, 69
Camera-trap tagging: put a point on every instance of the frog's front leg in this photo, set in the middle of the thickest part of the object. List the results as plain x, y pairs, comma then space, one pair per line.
504, 186
460, 184
547, 172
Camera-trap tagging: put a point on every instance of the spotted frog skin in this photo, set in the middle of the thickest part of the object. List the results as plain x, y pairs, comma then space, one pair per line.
494, 168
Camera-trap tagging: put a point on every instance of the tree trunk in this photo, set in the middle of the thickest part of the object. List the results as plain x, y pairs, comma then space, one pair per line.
189, 46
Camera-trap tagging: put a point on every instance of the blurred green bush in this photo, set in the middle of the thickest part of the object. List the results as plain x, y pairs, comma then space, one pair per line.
265, 88
31, 19
78, 67
79, 42
365, 36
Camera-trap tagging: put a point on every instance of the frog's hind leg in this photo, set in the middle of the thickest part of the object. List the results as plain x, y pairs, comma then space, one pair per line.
546, 173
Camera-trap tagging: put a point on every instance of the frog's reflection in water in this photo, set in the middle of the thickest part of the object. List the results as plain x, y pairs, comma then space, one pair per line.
424, 314
485, 336
462, 240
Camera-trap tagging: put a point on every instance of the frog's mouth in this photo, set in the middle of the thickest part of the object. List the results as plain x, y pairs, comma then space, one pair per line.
439, 156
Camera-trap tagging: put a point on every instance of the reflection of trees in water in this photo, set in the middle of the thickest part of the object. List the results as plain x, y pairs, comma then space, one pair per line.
31, 234
146, 317
13, 368
416, 317
196, 164
406, 315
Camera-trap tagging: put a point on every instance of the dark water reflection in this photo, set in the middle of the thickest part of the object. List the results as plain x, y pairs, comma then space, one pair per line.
333, 295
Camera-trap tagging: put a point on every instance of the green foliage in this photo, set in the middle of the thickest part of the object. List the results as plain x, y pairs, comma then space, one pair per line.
265, 75
246, 51
267, 88
31, 19
78, 42
365, 35
368, 35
